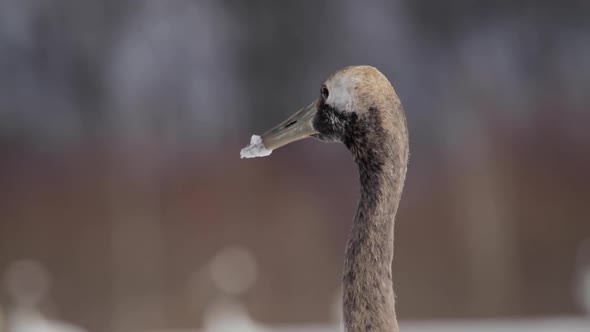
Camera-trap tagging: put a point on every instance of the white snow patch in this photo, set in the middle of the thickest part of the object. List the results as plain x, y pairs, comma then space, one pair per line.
255, 149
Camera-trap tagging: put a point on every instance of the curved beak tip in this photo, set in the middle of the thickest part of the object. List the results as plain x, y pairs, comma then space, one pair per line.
255, 149
296, 127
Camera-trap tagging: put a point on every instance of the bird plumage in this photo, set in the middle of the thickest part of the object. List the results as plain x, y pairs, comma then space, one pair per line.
359, 107
378, 139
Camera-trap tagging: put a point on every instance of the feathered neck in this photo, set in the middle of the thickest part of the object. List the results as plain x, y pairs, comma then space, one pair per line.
368, 296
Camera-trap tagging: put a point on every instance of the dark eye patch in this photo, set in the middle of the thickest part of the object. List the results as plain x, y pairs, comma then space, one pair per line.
333, 124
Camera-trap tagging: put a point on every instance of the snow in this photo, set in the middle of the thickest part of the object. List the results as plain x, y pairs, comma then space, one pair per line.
255, 149
547, 324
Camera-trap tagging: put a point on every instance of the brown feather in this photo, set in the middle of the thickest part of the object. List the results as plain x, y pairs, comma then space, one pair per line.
377, 136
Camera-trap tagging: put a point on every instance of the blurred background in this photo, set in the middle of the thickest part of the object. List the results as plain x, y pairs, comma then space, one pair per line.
124, 205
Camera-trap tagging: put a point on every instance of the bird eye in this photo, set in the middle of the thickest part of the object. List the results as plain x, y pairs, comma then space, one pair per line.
324, 92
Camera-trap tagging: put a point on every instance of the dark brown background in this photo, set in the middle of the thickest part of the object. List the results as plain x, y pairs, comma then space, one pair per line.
122, 121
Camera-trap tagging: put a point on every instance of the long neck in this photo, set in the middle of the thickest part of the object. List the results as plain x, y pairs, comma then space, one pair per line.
368, 296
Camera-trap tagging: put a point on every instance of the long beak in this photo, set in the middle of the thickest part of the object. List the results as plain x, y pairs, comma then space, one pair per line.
296, 127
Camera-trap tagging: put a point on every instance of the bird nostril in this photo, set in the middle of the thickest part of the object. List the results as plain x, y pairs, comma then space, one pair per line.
290, 123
